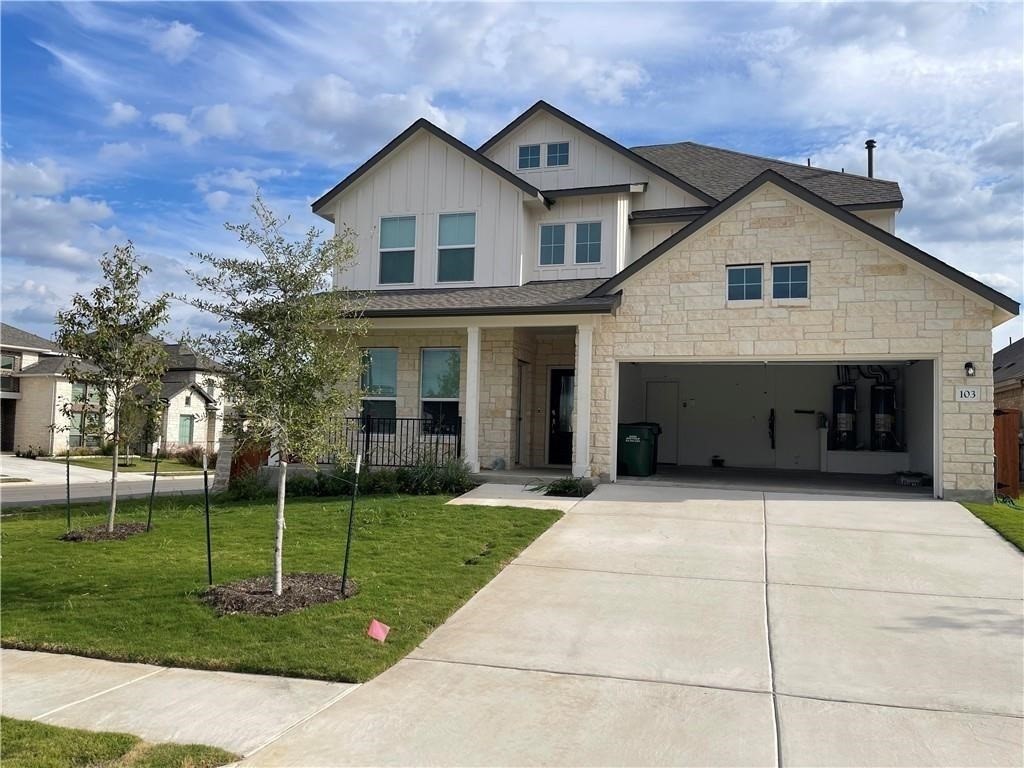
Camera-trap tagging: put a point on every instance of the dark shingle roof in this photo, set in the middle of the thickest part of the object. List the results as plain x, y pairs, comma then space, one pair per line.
54, 366
182, 358
720, 172
540, 297
1008, 363
15, 337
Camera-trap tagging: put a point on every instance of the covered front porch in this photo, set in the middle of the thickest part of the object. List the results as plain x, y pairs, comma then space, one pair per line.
503, 393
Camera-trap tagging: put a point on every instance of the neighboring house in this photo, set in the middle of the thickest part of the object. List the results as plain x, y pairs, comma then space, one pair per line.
1008, 376
763, 313
34, 390
193, 411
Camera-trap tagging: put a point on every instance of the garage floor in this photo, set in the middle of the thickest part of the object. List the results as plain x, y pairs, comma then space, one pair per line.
660, 625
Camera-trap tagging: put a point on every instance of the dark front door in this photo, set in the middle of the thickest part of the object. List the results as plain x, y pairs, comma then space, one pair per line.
7, 424
563, 385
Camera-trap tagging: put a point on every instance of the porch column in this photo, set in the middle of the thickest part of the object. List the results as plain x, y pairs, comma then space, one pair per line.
581, 438
471, 423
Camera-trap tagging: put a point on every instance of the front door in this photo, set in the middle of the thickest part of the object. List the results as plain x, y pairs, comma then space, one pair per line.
562, 398
8, 406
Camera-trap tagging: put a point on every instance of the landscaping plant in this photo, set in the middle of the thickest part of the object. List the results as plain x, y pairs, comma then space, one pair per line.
107, 336
288, 344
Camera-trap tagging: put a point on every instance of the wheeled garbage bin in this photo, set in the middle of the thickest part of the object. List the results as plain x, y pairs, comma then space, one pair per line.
638, 449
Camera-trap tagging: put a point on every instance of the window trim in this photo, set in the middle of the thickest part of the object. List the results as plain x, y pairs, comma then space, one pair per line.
600, 244
540, 156
437, 274
747, 302
542, 164
457, 399
570, 244
381, 250
565, 243
792, 300
363, 398
547, 154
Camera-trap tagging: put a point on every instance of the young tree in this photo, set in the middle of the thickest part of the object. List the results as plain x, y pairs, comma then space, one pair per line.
107, 335
289, 344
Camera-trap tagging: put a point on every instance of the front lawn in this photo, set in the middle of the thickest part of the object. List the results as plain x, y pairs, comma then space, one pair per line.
167, 466
1007, 521
415, 560
35, 745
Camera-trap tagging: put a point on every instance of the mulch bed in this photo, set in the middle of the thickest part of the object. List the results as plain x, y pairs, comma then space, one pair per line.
255, 597
121, 532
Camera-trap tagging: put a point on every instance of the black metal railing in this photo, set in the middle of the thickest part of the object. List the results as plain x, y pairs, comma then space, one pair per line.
397, 442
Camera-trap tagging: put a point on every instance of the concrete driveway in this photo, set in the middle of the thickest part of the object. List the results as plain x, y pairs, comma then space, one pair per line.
675, 626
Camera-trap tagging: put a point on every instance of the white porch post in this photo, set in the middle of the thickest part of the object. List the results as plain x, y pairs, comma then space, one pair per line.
584, 363
471, 423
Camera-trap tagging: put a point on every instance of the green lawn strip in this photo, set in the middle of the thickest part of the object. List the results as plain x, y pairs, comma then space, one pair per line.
14, 480
1006, 521
167, 466
25, 744
415, 559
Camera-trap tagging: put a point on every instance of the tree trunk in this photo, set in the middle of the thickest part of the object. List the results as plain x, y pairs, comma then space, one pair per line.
113, 474
282, 479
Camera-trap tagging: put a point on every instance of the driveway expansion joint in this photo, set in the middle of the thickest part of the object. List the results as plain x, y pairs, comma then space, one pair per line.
776, 720
633, 573
910, 707
98, 694
894, 591
330, 703
879, 530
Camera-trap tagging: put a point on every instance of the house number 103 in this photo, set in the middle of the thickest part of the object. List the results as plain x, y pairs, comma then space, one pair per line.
968, 393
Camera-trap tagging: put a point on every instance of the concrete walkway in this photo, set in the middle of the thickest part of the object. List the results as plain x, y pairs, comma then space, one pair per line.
659, 625
240, 713
652, 625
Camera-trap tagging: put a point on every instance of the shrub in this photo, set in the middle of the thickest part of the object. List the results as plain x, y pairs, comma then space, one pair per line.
248, 486
576, 487
192, 456
302, 485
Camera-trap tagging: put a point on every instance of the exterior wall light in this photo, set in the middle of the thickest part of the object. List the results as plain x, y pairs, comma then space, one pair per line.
969, 369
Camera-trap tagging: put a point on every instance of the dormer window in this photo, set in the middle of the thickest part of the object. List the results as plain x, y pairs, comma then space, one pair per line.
558, 153
529, 156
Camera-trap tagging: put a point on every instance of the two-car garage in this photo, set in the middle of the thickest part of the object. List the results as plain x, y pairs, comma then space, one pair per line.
869, 418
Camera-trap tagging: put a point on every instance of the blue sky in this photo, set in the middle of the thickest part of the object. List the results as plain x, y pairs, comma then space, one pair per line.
157, 122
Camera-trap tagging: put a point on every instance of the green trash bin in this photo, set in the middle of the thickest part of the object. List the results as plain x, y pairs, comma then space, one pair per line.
656, 428
638, 449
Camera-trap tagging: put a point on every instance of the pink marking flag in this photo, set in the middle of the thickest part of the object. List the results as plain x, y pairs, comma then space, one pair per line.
378, 631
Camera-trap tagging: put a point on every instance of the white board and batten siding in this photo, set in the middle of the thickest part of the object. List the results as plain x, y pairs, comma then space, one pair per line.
591, 164
426, 177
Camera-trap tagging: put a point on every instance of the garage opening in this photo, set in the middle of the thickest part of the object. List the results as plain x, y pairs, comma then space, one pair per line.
838, 425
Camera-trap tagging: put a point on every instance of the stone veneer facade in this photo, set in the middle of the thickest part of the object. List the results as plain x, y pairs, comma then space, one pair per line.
865, 301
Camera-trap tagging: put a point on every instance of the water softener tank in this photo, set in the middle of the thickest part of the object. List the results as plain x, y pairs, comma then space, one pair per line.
844, 417
883, 417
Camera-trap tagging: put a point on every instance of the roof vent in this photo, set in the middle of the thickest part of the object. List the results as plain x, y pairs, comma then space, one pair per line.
870, 145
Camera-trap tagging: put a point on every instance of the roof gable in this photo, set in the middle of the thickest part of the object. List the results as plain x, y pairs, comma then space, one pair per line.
19, 339
424, 125
770, 176
657, 170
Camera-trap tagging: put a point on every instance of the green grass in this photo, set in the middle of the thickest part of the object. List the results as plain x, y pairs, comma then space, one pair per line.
1006, 521
25, 744
167, 466
415, 559
5, 479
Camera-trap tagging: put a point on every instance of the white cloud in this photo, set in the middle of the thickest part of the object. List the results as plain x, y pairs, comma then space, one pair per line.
122, 114
120, 152
177, 125
64, 233
219, 121
174, 41
242, 180
44, 177
217, 200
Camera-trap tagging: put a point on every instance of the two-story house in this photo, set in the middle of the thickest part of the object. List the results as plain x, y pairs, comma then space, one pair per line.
540, 290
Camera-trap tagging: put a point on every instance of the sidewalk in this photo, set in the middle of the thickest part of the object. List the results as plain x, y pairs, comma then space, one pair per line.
239, 713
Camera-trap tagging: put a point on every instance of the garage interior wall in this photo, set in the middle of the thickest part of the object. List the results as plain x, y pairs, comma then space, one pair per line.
723, 409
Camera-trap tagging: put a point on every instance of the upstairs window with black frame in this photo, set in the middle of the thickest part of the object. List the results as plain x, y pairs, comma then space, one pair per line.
379, 384
439, 390
744, 283
789, 281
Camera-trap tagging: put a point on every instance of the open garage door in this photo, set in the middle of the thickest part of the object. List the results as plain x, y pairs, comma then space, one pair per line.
871, 422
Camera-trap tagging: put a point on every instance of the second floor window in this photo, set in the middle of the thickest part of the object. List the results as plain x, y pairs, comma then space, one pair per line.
529, 156
789, 281
397, 249
744, 283
558, 153
588, 243
456, 247
8, 365
552, 244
